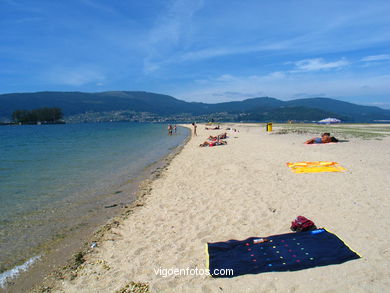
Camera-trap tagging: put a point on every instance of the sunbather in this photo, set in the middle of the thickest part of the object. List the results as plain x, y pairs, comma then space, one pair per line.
220, 136
213, 143
212, 128
325, 138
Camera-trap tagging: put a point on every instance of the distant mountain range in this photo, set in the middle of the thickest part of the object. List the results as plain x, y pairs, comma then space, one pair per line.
254, 109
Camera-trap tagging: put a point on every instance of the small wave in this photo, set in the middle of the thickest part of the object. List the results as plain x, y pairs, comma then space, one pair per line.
7, 275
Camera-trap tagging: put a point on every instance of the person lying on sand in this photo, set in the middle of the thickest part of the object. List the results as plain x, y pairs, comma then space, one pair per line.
325, 138
213, 143
214, 128
220, 136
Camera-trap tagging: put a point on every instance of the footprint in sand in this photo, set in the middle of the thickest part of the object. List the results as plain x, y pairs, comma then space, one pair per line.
385, 252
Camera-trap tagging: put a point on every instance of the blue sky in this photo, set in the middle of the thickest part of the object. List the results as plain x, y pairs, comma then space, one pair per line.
208, 51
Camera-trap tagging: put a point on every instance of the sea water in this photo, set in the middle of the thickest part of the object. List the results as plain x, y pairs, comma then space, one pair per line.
51, 175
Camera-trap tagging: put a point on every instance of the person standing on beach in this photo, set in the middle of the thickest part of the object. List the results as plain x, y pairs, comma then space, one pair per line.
174, 129
194, 124
170, 129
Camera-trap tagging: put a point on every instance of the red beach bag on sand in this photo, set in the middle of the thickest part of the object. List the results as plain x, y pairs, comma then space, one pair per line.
301, 224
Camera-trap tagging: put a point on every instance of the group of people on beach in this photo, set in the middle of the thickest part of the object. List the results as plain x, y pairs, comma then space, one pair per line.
325, 138
172, 129
215, 140
218, 140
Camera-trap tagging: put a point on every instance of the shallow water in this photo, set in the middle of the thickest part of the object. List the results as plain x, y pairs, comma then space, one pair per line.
53, 177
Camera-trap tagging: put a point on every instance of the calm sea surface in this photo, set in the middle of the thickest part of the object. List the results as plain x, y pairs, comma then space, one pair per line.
51, 175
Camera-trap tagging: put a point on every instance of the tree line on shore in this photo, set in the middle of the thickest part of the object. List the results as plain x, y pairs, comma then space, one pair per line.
44, 115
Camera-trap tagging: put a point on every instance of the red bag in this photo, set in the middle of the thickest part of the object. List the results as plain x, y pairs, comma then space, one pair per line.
301, 224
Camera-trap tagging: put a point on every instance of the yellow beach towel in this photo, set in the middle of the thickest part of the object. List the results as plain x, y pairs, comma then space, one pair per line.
315, 167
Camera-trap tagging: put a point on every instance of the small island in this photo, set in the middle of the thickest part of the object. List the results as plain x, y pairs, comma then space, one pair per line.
38, 116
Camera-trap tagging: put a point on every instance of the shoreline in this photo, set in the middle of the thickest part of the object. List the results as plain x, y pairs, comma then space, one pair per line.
57, 259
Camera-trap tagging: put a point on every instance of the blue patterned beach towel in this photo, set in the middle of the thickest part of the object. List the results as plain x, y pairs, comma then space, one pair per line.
285, 252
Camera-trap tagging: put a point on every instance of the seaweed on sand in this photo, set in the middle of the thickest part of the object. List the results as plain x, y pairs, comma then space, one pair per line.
135, 287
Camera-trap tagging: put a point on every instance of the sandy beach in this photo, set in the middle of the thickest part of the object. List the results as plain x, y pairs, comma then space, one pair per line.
245, 189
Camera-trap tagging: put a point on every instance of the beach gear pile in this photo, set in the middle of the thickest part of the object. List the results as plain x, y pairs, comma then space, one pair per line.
301, 224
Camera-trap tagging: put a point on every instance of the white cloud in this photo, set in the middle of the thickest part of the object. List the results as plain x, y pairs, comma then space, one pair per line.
277, 75
231, 50
319, 64
286, 86
376, 58
74, 76
225, 77
168, 31
182, 34
154, 62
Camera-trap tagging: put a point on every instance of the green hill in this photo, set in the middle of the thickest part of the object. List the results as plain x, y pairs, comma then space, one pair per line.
255, 109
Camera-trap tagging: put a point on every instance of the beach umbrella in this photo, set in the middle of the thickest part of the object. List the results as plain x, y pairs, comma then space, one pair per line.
329, 121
